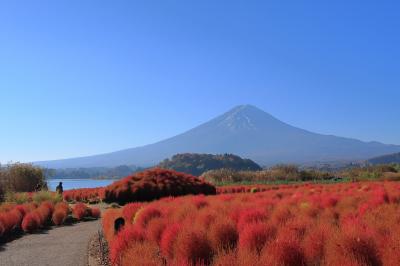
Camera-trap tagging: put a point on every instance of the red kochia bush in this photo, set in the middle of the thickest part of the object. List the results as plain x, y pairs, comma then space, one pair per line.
23, 209
45, 211
12, 219
142, 254
12, 216
329, 201
272, 228
16, 217
314, 244
58, 217
8, 221
200, 201
31, 222
193, 248
62, 206
38, 217
79, 211
250, 216
60, 213
130, 210
154, 230
154, 184
284, 252
95, 212
168, 238
143, 217
124, 238
254, 236
84, 194
108, 219
355, 247
223, 234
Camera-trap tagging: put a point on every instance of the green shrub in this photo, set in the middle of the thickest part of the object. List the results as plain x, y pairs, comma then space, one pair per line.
390, 176
37, 197
368, 172
279, 173
253, 190
114, 206
45, 195
19, 198
196, 163
22, 178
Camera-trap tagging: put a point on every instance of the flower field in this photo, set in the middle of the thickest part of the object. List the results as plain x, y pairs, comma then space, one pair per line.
345, 224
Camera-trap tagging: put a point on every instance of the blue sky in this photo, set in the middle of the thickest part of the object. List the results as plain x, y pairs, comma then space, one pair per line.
86, 77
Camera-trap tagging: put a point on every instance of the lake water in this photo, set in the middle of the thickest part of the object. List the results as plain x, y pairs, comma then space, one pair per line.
78, 183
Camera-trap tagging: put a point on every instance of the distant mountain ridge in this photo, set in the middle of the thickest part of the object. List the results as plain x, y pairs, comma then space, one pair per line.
385, 159
246, 131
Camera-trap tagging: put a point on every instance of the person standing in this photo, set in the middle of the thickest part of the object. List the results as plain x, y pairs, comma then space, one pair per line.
59, 188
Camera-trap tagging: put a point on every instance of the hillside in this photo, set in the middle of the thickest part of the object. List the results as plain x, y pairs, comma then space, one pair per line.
196, 164
385, 159
246, 131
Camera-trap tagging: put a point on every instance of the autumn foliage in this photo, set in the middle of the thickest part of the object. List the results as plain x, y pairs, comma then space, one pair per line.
310, 224
60, 213
154, 184
94, 212
89, 195
38, 218
79, 211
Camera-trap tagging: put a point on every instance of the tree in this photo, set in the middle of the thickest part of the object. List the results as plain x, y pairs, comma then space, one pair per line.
21, 177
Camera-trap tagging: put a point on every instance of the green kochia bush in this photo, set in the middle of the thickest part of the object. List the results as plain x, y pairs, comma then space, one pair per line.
44, 195
37, 197
154, 184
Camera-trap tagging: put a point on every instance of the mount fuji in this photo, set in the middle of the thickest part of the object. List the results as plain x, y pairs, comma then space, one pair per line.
245, 131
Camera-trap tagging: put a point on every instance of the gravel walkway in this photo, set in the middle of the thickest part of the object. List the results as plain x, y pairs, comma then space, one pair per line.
66, 245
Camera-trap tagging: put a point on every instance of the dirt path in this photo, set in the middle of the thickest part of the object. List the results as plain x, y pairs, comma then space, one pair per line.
65, 245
